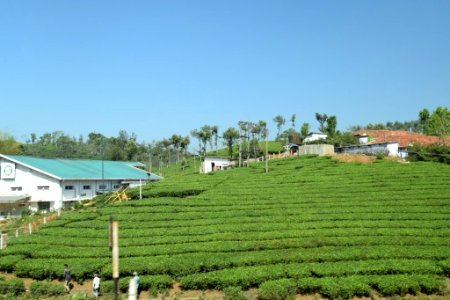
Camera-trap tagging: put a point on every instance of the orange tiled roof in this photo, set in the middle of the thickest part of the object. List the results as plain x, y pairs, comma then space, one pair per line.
403, 138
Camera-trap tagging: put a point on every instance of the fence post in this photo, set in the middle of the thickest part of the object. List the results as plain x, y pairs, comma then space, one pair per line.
45, 220
2, 240
17, 232
30, 230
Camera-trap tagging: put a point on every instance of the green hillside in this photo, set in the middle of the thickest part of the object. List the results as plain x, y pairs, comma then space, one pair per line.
192, 166
311, 225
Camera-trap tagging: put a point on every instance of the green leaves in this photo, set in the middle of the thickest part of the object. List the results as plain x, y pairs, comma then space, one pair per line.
337, 229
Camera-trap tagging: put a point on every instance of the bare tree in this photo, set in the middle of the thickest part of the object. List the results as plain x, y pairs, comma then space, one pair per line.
322, 119
279, 121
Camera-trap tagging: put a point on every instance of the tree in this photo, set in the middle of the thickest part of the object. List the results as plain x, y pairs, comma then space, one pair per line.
185, 141
330, 128
279, 121
176, 142
304, 131
439, 123
215, 134
424, 116
230, 136
244, 127
195, 133
293, 117
204, 135
8, 144
322, 119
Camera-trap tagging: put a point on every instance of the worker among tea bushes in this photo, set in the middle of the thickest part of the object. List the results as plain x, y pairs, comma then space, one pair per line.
66, 277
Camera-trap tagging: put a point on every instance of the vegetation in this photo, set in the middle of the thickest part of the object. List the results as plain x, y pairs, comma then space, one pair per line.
46, 289
11, 287
435, 153
436, 123
311, 225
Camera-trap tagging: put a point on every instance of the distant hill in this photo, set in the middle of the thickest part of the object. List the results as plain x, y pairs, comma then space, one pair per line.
310, 225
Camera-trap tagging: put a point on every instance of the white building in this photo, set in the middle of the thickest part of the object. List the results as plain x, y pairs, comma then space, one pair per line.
388, 148
214, 164
49, 184
315, 136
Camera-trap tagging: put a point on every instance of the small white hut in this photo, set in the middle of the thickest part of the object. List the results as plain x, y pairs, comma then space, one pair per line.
215, 164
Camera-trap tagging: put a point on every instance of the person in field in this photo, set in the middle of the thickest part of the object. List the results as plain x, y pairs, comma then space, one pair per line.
96, 286
66, 277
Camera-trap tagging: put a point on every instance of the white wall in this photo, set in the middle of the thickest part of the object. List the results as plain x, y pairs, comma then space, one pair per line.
56, 193
393, 149
29, 180
372, 149
219, 163
363, 139
315, 137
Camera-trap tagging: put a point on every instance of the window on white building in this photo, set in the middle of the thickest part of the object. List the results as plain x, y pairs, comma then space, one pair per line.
116, 186
86, 187
102, 187
44, 206
43, 187
16, 188
68, 187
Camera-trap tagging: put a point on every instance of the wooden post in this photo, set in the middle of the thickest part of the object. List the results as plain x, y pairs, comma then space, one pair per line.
115, 257
1, 241
17, 232
30, 228
45, 220
267, 150
59, 212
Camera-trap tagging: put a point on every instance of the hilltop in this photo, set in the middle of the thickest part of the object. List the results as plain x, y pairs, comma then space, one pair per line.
311, 225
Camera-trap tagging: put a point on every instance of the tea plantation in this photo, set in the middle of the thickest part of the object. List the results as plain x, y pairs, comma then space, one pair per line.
311, 225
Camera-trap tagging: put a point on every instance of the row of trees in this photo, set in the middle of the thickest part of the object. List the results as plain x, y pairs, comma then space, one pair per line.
436, 123
245, 139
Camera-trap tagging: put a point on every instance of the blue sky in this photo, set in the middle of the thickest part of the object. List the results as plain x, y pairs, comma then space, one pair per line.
162, 67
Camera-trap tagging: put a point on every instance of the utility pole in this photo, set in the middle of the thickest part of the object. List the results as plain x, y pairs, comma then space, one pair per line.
240, 147
267, 150
195, 163
114, 246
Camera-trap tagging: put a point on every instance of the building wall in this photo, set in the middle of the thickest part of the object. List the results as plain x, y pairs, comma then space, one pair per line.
44, 190
363, 139
371, 149
34, 184
319, 149
218, 163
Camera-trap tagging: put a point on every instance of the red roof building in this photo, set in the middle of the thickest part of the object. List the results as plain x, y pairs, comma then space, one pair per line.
403, 138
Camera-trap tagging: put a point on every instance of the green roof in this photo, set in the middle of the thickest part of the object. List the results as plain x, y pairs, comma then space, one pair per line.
76, 169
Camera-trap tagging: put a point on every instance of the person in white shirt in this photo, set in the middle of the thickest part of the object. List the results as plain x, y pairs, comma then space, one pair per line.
95, 286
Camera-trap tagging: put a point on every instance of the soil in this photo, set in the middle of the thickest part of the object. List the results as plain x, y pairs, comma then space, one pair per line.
354, 158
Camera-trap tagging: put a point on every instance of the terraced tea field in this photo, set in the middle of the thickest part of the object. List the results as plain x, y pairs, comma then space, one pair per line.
339, 229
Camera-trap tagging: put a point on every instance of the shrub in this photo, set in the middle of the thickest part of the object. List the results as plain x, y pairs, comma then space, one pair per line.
234, 293
155, 282
402, 285
278, 290
79, 296
8, 262
381, 155
14, 286
46, 289
436, 153
445, 267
